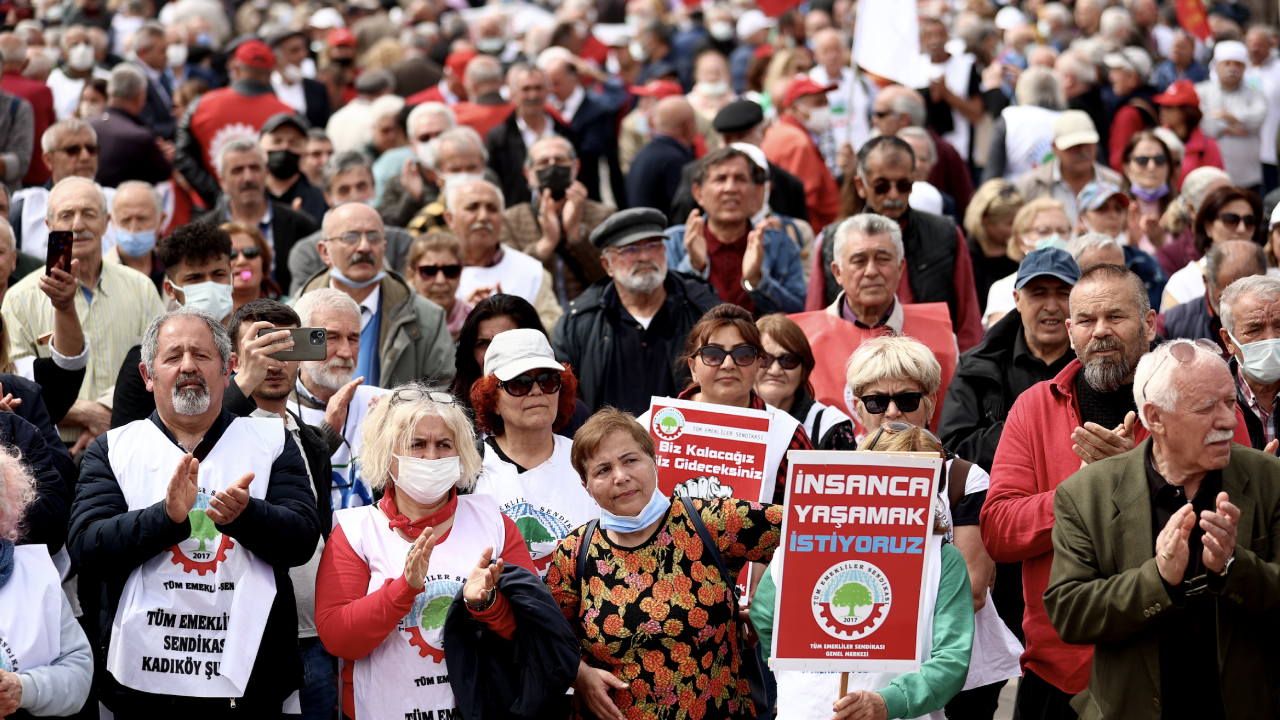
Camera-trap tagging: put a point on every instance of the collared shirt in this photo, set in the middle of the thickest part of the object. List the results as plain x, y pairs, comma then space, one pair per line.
292, 95
725, 260
1251, 401
114, 317
848, 314
1026, 369
570, 106
155, 77
527, 133
369, 306
639, 363
264, 226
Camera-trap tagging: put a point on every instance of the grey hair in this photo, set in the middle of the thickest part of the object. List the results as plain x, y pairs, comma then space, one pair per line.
6, 232
528, 158
868, 225
238, 145
324, 299
1077, 65
487, 70
387, 105
145, 36
430, 108
343, 162
151, 338
462, 134
1231, 253
1039, 87
1056, 11
126, 82
451, 193
17, 493
919, 133
71, 180
376, 82
151, 191
1153, 379
1090, 241
71, 126
318, 133
1115, 22
327, 221
1196, 185
905, 103
1263, 286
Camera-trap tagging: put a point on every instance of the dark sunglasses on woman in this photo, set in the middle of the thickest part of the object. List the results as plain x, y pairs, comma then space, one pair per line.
548, 381
742, 355
249, 253
1144, 160
428, 272
788, 361
879, 404
1233, 220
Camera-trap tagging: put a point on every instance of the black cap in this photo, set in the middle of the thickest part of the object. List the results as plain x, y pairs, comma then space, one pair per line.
1047, 261
275, 121
274, 39
738, 116
629, 226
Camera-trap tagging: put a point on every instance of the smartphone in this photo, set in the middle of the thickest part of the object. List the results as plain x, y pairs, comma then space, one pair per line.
308, 344
59, 252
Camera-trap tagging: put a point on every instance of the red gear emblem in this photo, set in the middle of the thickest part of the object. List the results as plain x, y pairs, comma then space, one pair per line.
424, 648
202, 567
839, 627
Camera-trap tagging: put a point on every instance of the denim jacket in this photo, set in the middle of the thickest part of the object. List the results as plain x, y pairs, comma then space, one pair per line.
781, 287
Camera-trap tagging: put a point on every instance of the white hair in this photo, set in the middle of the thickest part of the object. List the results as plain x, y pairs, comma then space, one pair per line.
1089, 241
324, 299
1261, 286
430, 108
1039, 87
243, 144
1153, 381
151, 191
919, 133
868, 225
1197, 183
545, 57
73, 180
1056, 11
71, 126
126, 82
451, 193
387, 105
1115, 23
460, 135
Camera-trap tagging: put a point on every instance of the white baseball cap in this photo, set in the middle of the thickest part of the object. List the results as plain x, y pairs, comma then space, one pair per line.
326, 19
1009, 18
514, 352
753, 21
1130, 58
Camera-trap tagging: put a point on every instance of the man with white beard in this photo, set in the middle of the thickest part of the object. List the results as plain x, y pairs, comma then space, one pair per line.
329, 397
644, 314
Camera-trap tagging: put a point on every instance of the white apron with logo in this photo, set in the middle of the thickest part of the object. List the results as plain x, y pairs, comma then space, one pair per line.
30, 638
1028, 138
546, 503
406, 676
191, 618
519, 274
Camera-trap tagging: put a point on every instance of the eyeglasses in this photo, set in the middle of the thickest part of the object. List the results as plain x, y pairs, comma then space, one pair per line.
548, 382
1145, 160
1182, 351
414, 395
881, 113
878, 404
787, 361
249, 253
742, 355
427, 137
897, 427
353, 238
881, 187
74, 150
631, 252
429, 272
1233, 220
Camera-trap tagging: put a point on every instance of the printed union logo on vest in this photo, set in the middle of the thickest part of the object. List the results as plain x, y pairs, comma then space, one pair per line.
668, 423
851, 600
426, 617
199, 553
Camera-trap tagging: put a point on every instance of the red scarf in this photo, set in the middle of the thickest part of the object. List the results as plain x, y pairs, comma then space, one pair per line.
414, 529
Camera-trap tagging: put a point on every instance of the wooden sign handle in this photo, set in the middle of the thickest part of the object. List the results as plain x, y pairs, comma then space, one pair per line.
844, 685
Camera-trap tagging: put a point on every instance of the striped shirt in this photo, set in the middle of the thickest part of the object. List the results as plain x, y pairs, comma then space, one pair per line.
114, 320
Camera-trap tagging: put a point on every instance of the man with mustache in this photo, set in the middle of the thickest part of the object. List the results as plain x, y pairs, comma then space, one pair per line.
1085, 414
644, 312
1163, 558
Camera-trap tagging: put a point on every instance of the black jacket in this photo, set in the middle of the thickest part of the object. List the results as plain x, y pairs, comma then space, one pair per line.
583, 335
1191, 320
127, 149
281, 529
156, 115
524, 677
317, 97
288, 226
313, 202
1257, 436
654, 177
786, 198
45, 521
506, 157
34, 410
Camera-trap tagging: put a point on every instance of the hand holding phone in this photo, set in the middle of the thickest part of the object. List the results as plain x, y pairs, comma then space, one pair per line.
59, 251
309, 344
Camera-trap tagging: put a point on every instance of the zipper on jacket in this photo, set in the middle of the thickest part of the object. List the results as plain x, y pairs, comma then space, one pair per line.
233, 703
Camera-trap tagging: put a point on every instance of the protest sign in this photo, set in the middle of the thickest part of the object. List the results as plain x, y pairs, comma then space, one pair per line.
857, 532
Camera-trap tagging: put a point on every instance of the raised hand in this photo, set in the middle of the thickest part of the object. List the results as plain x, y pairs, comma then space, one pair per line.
253, 362
1219, 533
418, 559
695, 241
483, 578
183, 489
753, 258
411, 179
575, 199
60, 285
1172, 549
225, 507
335, 412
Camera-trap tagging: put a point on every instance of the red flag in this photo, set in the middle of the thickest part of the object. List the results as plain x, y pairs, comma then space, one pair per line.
1191, 17
774, 8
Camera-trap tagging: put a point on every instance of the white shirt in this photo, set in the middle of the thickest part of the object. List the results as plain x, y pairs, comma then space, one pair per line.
66, 91
570, 106
369, 307
291, 95
1266, 78
531, 137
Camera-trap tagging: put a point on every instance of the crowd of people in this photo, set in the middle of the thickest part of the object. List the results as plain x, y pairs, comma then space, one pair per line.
299, 298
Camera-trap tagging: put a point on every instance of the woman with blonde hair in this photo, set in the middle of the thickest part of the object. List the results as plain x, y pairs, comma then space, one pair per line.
1040, 223
988, 227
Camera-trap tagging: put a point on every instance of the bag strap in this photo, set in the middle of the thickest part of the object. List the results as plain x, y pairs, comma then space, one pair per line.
584, 547
711, 548
956, 478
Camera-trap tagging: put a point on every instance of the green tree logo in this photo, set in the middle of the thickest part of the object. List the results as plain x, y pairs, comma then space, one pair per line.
533, 532
669, 424
202, 528
851, 595
433, 614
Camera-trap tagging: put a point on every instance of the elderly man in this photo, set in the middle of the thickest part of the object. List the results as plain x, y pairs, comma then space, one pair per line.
556, 225
1250, 325
1079, 79
513, 134
941, 270
750, 265
791, 144
1182, 63
67, 81
242, 169
636, 361
403, 336
1075, 151
249, 101
1225, 263
455, 156
236, 520
306, 96
351, 126
485, 107
115, 305
150, 49
1233, 115
897, 107
127, 144
13, 59
654, 176
1163, 559
869, 259
138, 214
405, 194
283, 140
474, 216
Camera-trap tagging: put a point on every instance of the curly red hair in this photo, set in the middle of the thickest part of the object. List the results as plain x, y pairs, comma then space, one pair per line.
484, 402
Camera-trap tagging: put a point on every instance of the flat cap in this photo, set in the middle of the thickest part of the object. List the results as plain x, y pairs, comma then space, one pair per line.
279, 36
274, 123
629, 226
738, 116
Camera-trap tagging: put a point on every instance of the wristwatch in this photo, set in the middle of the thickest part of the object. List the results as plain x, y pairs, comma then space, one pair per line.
488, 602
1227, 567
746, 285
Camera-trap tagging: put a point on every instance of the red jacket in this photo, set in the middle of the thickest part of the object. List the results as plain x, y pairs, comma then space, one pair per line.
481, 117
1033, 458
431, 94
41, 99
1200, 150
1126, 123
787, 144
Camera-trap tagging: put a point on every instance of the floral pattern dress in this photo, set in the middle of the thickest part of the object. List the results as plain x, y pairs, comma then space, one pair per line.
657, 615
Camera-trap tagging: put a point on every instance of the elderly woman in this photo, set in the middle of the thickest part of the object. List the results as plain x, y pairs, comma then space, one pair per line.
783, 382
434, 268
988, 228
1039, 224
1227, 213
390, 571
946, 650
658, 630
523, 398
45, 663
250, 265
895, 380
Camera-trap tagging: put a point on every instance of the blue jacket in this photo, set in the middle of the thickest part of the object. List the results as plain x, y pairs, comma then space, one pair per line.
655, 173
781, 286
1147, 268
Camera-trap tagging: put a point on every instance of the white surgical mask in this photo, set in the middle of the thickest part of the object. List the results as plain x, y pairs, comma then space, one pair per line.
713, 89
819, 120
292, 74
212, 297
176, 55
642, 124
81, 57
426, 481
638, 53
721, 30
1261, 359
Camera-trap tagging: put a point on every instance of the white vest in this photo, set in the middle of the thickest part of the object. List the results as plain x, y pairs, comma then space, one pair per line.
406, 675
1028, 138
31, 620
349, 489
519, 274
546, 503
191, 618
830, 417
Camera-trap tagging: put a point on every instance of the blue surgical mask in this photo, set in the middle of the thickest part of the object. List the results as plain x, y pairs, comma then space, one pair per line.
1051, 241
642, 124
137, 244
652, 512
336, 274
212, 297
1261, 359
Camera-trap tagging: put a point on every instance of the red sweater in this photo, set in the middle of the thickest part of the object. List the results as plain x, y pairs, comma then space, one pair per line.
352, 622
1033, 458
1126, 123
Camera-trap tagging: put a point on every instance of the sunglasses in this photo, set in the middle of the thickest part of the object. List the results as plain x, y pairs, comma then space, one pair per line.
412, 395
429, 272
742, 355
879, 404
1233, 220
1144, 160
548, 381
881, 113
75, 150
249, 253
787, 361
1182, 351
881, 187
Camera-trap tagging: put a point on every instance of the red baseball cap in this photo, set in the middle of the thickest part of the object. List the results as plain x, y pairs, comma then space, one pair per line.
657, 89
458, 61
802, 86
255, 54
1180, 94
342, 36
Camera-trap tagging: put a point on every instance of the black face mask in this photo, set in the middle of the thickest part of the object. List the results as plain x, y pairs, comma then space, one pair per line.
344, 62
555, 178
283, 163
